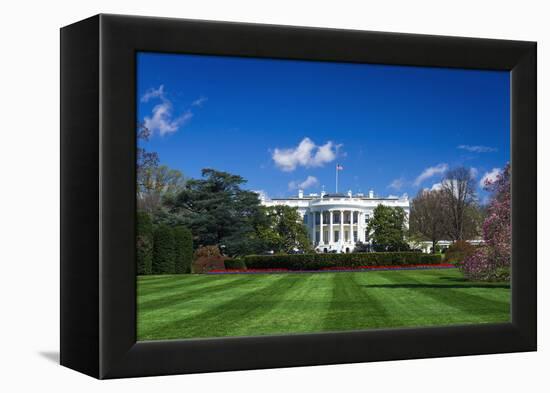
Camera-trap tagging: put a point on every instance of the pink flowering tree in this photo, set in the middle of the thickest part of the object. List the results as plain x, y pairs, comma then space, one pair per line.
492, 260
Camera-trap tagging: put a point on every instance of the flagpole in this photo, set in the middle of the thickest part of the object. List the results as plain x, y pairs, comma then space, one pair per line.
336, 178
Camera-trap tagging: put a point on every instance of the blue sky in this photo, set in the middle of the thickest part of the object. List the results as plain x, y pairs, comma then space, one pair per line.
285, 124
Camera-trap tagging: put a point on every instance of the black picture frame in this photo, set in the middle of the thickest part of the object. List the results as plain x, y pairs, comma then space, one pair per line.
98, 148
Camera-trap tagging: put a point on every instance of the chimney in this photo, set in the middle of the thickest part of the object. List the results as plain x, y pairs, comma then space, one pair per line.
323, 193
349, 193
371, 194
300, 194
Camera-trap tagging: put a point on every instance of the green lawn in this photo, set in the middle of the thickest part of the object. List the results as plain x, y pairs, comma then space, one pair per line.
187, 306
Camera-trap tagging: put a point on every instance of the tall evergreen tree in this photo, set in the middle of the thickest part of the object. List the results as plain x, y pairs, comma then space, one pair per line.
163, 251
144, 244
183, 250
219, 212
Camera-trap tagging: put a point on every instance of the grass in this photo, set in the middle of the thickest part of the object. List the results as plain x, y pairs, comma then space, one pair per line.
191, 306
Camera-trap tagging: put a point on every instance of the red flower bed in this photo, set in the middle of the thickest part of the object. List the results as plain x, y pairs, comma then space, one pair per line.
334, 269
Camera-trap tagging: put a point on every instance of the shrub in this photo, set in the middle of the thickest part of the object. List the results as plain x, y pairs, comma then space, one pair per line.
207, 251
320, 261
458, 251
163, 251
237, 263
144, 244
208, 258
183, 249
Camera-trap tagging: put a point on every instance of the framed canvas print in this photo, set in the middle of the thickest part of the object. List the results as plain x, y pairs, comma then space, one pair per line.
240, 196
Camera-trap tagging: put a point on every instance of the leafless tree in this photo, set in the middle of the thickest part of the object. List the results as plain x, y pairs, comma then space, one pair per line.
458, 188
427, 216
154, 181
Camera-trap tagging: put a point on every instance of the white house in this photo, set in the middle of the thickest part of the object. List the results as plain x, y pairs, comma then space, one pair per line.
336, 222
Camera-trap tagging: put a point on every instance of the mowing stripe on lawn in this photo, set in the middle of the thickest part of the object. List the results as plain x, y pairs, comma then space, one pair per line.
180, 291
300, 309
213, 316
189, 301
461, 300
175, 281
239, 305
358, 308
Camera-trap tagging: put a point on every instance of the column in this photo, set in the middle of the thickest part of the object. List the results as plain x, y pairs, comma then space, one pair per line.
351, 239
341, 227
312, 217
331, 228
360, 230
321, 227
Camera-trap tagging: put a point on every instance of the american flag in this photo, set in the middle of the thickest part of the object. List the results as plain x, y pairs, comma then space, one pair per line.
339, 167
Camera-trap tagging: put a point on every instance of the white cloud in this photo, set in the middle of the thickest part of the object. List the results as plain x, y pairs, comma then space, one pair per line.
477, 148
199, 101
430, 172
474, 172
162, 119
436, 187
311, 181
489, 177
306, 154
397, 184
153, 93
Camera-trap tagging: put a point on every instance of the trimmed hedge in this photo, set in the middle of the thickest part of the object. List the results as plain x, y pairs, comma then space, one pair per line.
319, 261
183, 250
144, 244
164, 251
234, 264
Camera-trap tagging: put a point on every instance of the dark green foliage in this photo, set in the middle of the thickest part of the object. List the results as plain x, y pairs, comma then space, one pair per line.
234, 263
163, 250
183, 250
387, 229
319, 261
501, 274
361, 247
219, 212
144, 244
285, 231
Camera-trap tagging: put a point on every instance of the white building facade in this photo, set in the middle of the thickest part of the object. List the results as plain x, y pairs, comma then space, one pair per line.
336, 222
